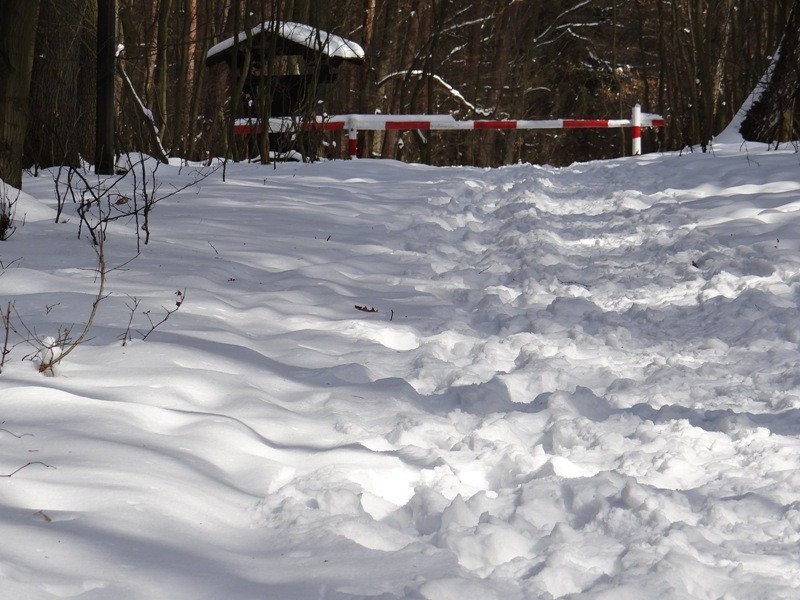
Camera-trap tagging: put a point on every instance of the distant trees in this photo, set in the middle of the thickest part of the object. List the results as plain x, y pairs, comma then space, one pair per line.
774, 115
694, 61
703, 58
17, 39
165, 42
61, 105
484, 59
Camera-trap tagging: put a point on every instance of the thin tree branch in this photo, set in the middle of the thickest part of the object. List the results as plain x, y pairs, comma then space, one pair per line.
35, 462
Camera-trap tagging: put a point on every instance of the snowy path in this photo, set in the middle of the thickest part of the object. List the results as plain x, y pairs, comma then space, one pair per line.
577, 382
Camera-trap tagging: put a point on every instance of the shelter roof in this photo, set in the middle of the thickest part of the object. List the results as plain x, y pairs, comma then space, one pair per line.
290, 39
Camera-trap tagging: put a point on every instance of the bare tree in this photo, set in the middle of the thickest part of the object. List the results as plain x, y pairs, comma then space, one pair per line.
62, 95
17, 42
106, 77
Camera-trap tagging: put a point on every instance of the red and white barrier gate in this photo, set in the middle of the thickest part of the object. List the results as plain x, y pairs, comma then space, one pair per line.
355, 123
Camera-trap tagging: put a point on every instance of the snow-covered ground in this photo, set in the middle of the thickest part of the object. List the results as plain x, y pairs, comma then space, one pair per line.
576, 383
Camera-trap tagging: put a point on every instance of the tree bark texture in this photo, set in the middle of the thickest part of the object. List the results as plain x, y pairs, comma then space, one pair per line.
62, 94
17, 43
106, 79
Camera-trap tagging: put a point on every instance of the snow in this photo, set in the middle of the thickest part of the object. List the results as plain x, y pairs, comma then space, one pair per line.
578, 383
330, 44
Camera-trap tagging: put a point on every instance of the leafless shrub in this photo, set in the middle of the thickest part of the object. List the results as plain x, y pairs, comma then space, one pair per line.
8, 201
6, 329
129, 196
53, 351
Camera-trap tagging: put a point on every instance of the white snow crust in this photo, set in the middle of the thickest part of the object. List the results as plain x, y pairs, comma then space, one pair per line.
578, 383
329, 44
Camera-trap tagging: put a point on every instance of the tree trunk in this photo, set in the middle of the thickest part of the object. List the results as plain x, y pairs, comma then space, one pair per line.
18, 20
771, 117
106, 78
61, 106
163, 82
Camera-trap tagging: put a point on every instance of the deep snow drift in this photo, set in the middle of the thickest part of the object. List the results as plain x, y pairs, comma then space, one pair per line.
577, 382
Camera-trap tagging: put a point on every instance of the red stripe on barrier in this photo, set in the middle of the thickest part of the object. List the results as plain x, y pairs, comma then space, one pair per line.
659, 122
352, 147
403, 125
584, 123
249, 129
495, 125
325, 126
636, 131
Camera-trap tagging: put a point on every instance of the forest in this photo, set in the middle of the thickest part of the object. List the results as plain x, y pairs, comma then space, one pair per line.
692, 61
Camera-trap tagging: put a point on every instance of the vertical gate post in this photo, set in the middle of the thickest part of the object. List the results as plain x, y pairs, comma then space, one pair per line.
636, 130
352, 139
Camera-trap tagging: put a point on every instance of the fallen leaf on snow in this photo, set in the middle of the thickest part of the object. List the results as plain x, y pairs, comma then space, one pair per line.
370, 309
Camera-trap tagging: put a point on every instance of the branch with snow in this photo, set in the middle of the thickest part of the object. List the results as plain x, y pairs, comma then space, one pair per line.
147, 116
451, 91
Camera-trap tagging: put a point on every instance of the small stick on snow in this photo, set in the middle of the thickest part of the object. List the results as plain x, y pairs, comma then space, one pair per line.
36, 462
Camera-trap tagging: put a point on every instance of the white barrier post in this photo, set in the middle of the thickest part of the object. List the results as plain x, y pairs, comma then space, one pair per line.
636, 130
352, 141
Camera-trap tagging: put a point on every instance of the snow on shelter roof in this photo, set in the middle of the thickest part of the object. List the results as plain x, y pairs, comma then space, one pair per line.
303, 37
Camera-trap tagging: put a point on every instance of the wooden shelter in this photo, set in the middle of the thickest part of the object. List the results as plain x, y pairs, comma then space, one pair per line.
293, 62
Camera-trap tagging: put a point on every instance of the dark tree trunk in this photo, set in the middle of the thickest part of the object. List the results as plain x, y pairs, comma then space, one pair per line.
106, 73
771, 117
62, 94
18, 20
